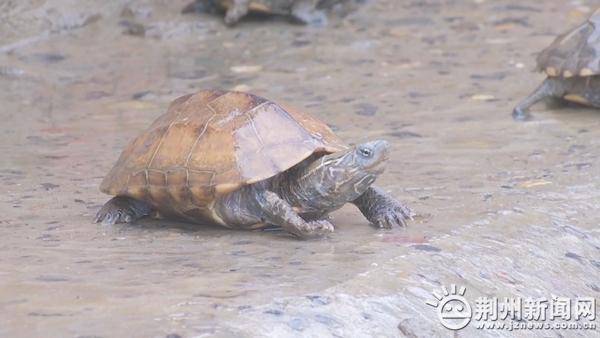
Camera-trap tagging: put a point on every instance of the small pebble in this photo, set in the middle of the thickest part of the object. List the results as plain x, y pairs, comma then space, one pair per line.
298, 324
483, 97
426, 247
245, 69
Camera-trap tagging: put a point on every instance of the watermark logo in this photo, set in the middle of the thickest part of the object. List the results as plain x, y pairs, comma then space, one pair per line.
512, 314
453, 308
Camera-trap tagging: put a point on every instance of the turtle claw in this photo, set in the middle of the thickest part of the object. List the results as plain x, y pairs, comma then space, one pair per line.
382, 210
392, 216
316, 19
112, 216
400, 220
121, 210
389, 221
520, 115
238, 10
382, 223
316, 229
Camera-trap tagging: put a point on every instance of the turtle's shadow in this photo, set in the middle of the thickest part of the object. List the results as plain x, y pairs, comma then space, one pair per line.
561, 108
198, 229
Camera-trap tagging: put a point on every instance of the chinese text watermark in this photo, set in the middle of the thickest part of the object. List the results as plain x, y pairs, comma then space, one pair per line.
513, 313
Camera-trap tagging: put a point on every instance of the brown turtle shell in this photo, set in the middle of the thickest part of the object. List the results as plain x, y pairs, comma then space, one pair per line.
574, 53
214, 142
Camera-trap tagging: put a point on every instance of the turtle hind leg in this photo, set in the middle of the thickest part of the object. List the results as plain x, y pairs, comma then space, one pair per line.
382, 210
551, 87
122, 209
237, 10
279, 212
305, 12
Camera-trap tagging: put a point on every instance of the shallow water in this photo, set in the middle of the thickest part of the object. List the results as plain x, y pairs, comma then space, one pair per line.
505, 209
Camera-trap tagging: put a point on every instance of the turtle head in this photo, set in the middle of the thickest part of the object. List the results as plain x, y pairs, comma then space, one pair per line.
372, 156
345, 175
365, 161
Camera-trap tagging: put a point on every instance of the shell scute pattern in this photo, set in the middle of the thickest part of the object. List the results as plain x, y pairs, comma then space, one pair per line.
211, 143
574, 53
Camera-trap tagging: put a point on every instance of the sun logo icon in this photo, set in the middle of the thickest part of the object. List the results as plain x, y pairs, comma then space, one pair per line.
453, 309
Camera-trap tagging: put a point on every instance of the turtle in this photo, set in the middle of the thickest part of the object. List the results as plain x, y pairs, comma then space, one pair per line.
242, 161
572, 66
303, 11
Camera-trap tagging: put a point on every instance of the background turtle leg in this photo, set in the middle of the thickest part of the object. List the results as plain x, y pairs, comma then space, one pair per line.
381, 209
279, 212
122, 209
305, 12
238, 9
203, 6
550, 87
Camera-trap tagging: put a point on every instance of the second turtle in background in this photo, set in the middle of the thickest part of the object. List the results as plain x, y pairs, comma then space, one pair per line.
303, 11
571, 63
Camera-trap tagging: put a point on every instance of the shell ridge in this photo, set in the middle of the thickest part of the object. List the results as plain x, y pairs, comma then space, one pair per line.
162, 137
289, 116
193, 147
221, 93
260, 140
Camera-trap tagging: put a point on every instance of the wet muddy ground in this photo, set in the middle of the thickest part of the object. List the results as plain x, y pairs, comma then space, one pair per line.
506, 209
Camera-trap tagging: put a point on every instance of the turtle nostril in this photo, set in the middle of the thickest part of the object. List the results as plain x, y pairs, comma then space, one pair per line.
384, 145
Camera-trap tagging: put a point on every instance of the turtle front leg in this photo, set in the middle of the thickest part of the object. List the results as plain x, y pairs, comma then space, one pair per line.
381, 209
278, 212
305, 12
549, 88
237, 10
122, 209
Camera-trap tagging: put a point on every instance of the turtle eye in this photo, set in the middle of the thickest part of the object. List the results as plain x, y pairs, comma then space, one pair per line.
366, 152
